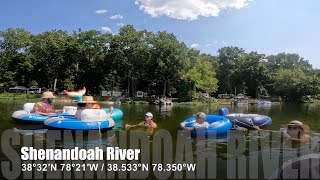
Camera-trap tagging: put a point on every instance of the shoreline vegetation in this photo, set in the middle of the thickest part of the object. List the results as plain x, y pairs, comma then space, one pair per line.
104, 100
109, 101
156, 63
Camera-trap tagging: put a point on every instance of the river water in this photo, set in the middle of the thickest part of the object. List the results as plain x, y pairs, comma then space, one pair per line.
234, 156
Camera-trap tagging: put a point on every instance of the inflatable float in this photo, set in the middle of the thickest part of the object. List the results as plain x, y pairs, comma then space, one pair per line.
73, 123
116, 115
217, 124
68, 111
246, 120
26, 115
76, 94
264, 103
91, 119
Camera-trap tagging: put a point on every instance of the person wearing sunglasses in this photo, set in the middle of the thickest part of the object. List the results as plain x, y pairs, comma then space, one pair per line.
296, 131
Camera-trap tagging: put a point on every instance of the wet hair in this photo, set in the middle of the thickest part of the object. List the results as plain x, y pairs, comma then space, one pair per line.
201, 115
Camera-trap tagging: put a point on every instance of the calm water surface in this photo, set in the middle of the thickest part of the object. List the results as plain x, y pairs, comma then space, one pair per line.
169, 117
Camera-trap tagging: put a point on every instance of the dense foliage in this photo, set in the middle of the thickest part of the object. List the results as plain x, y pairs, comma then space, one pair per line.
152, 62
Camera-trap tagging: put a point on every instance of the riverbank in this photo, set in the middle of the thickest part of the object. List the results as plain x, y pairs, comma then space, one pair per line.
110, 100
13, 96
32, 97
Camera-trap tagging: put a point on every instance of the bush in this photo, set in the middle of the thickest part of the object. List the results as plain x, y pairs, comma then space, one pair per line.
199, 98
19, 96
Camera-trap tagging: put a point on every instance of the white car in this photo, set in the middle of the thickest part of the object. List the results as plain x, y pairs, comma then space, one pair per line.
18, 89
34, 90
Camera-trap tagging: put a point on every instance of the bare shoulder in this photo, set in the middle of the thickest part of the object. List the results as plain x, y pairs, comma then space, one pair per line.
305, 138
154, 125
38, 103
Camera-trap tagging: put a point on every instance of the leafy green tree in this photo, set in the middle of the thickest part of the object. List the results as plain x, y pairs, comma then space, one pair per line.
310, 86
228, 73
168, 57
288, 61
287, 83
92, 47
203, 77
48, 57
69, 83
154, 62
253, 72
15, 61
130, 54
34, 83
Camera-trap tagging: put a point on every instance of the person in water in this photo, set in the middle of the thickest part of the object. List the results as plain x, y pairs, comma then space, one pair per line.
200, 123
45, 107
296, 131
88, 103
148, 122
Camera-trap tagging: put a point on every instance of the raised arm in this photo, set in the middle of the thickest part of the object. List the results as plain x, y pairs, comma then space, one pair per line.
111, 110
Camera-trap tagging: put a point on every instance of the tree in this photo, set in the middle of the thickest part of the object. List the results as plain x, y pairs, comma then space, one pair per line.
14, 60
253, 72
229, 58
47, 54
203, 76
130, 53
92, 47
287, 82
288, 61
168, 57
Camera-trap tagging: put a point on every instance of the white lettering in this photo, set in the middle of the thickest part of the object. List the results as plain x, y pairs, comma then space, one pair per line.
25, 155
28, 153
115, 153
110, 153
41, 154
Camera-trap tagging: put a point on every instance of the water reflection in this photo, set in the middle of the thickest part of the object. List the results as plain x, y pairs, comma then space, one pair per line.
260, 146
30, 132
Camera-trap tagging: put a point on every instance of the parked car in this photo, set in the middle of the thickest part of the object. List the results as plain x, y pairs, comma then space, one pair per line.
225, 96
18, 89
34, 90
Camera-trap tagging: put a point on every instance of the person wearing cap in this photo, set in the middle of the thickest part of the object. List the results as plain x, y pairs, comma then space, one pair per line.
296, 131
148, 122
45, 107
88, 103
200, 123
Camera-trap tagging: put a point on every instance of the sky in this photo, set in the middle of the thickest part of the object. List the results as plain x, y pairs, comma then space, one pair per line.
266, 26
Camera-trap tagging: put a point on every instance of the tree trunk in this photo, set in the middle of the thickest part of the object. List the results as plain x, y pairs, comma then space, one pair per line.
128, 86
132, 86
165, 88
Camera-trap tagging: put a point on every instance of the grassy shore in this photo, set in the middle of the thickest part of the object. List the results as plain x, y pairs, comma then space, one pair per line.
109, 100
12, 96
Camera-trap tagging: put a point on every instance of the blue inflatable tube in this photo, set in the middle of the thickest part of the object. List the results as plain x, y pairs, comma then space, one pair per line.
72, 123
217, 124
37, 118
246, 120
117, 114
